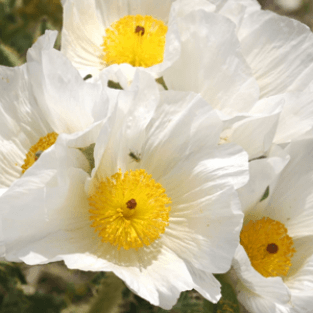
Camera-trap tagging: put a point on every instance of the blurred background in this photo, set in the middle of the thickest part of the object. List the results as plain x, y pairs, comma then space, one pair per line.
54, 288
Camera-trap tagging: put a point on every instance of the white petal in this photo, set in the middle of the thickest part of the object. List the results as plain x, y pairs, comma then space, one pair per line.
111, 10
292, 198
206, 284
82, 35
300, 276
133, 112
296, 118
183, 123
236, 10
67, 101
277, 47
302, 302
180, 8
204, 228
262, 174
21, 122
255, 133
33, 208
257, 293
211, 64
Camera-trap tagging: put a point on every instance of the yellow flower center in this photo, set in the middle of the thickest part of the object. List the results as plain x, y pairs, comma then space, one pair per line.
129, 210
268, 246
135, 39
35, 151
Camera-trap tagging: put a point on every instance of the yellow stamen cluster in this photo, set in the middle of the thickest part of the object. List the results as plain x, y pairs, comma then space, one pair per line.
129, 210
268, 246
34, 152
135, 39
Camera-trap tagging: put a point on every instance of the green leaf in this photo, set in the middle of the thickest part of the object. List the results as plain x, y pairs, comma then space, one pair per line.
14, 302
110, 295
44, 303
9, 56
266, 193
227, 304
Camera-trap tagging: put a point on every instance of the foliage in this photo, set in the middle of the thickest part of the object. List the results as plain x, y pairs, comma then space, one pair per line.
22, 22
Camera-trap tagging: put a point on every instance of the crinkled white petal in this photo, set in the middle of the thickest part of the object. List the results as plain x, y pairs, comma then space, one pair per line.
278, 50
174, 133
292, 199
111, 10
21, 122
262, 174
210, 63
82, 35
205, 283
197, 220
256, 132
296, 117
257, 293
37, 192
236, 10
68, 102
300, 276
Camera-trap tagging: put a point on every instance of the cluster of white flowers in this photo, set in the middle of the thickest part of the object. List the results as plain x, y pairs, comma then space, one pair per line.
200, 164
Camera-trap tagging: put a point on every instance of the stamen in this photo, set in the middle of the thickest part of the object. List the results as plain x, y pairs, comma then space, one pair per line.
129, 210
135, 39
37, 149
268, 246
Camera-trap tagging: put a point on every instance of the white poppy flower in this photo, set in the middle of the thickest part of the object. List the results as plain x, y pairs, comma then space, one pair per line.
159, 208
238, 53
39, 100
272, 267
98, 33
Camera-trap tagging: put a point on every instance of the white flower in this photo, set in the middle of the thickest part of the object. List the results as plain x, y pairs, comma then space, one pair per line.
98, 33
39, 100
159, 209
272, 267
238, 53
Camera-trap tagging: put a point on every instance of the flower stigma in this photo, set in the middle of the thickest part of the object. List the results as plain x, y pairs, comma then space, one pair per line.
36, 150
268, 246
129, 210
134, 39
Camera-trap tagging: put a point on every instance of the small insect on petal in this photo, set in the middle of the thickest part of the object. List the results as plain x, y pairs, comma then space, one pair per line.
135, 157
140, 30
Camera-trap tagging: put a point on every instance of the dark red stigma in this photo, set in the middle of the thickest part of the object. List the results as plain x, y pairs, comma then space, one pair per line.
131, 204
272, 248
140, 30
